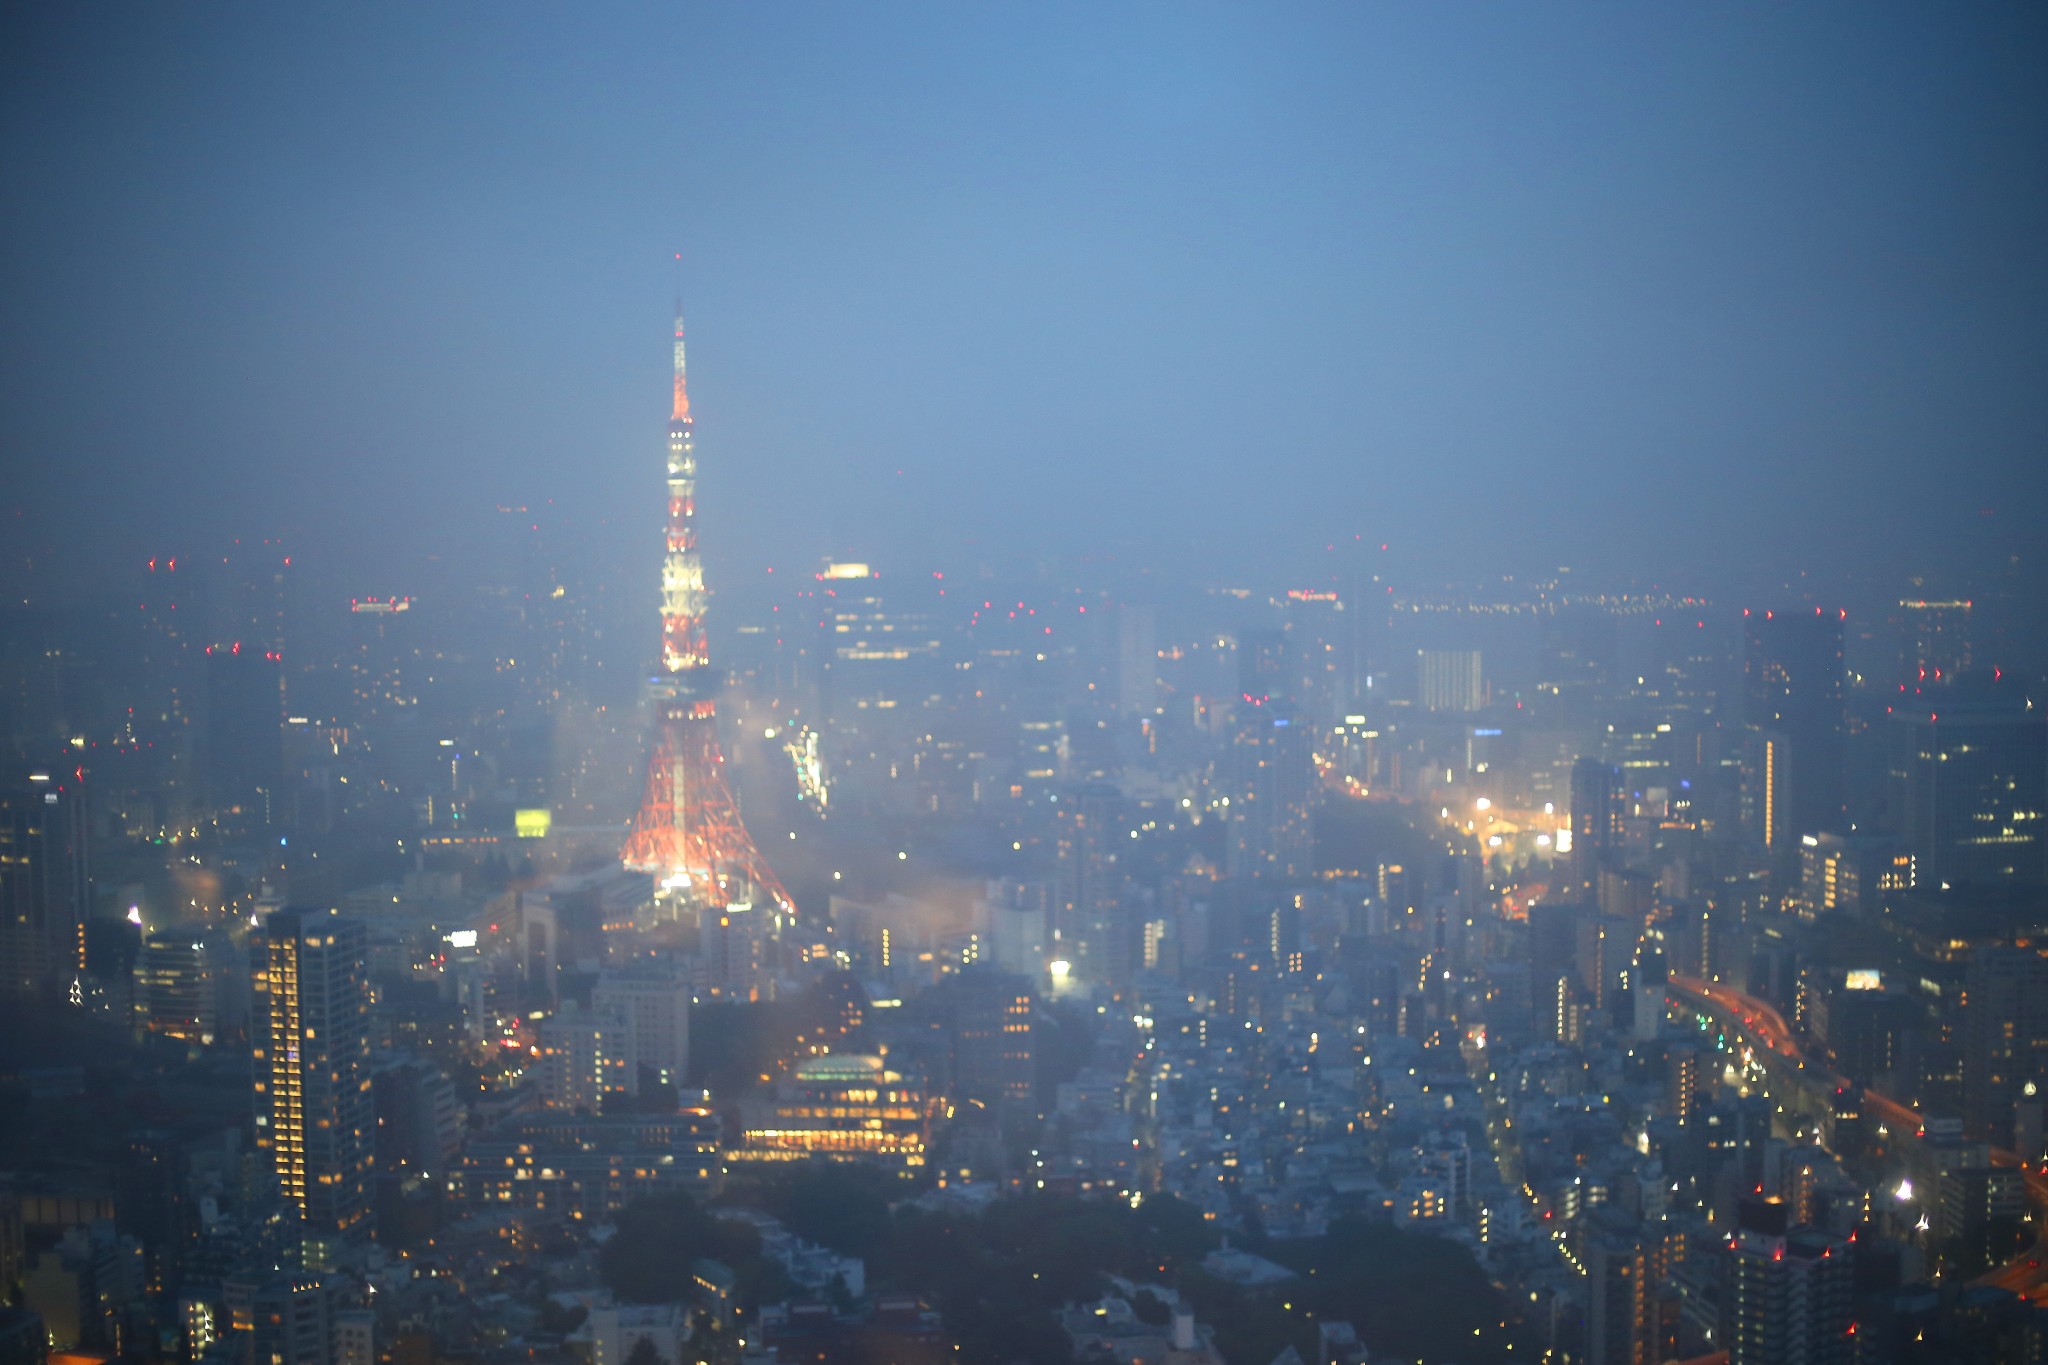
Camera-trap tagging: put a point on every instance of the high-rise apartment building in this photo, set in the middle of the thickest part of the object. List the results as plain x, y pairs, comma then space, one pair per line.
654, 1008
314, 1114
1790, 1294
584, 1060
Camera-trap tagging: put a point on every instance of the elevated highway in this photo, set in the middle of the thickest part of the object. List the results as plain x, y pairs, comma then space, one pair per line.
1811, 1087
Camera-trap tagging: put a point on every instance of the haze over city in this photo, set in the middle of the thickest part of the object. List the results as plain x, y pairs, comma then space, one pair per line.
1721, 295
1057, 685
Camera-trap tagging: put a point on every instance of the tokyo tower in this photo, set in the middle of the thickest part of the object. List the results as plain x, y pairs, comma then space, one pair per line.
688, 832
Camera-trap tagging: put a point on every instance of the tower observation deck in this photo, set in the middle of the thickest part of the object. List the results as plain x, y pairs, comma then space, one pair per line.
688, 831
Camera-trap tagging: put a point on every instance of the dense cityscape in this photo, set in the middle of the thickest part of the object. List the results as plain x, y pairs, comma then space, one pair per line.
563, 941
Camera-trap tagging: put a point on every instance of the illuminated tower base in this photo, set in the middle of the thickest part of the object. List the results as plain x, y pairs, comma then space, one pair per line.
688, 832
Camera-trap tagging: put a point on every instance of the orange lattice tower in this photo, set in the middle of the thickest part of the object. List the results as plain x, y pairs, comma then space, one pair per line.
688, 832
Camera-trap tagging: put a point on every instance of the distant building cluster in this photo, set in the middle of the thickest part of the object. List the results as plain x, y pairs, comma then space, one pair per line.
368, 957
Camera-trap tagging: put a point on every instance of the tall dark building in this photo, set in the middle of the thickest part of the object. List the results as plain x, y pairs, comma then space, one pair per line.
1934, 640
242, 740
1264, 665
1579, 651
1790, 1296
1793, 685
1969, 785
45, 882
1272, 778
314, 1113
2005, 1037
1088, 920
989, 1018
1596, 813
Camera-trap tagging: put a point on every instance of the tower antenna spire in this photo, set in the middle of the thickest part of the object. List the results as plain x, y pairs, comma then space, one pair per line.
681, 412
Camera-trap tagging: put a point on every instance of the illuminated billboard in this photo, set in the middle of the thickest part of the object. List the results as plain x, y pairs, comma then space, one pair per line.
532, 824
1864, 979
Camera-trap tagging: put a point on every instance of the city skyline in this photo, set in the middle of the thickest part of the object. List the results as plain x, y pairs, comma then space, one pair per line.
1325, 683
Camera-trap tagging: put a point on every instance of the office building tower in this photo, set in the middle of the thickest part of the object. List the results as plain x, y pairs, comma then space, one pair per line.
242, 741
419, 1119
1793, 685
1597, 808
654, 1007
384, 663
1137, 662
1580, 646
1089, 928
2005, 1037
45, 883
875, 651
1271, 782
314, 1114
688, 832
188, 984
1934, 641
986, 1016
1329, 675
1790, 1293
1265, 668
1449, 680
1969, 787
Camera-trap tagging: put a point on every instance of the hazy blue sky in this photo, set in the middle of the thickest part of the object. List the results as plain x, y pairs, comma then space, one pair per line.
1681, 287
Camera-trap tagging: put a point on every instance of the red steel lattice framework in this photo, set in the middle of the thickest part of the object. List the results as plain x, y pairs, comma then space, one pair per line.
688, 832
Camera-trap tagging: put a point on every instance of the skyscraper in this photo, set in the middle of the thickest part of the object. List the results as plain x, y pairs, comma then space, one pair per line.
45, 882
2005, 1037
1596, 813
314, 1115
1271, 777
1793, 682
1934, 640
1088, 919
1969, 787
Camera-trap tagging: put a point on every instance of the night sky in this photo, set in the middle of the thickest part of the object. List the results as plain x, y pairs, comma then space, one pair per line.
1704, 294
